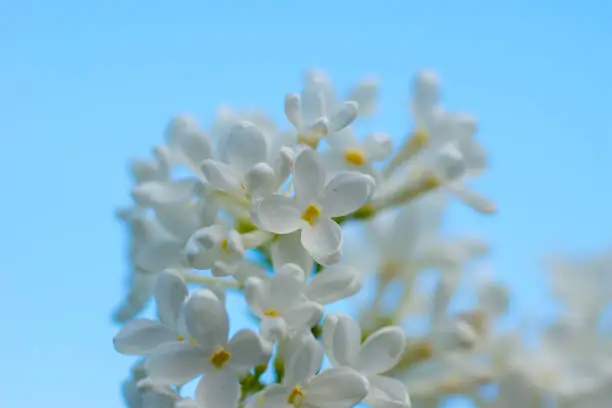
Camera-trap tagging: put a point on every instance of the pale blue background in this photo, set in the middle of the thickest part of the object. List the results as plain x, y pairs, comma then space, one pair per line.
86, 84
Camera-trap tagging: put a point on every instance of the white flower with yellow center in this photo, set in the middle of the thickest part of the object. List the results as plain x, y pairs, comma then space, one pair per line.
245, 147
311, 117
348, 153
221, 361
314, 205
280, 303
218, 248
142, 336
378, 354
304, 387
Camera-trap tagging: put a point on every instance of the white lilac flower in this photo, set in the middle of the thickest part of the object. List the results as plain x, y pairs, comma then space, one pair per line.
348, 153
311, 117
188, 144
221, 361
379, 353
218, 248
305, 387
281, 304
142, 336
314, 205
246, 146
156, 169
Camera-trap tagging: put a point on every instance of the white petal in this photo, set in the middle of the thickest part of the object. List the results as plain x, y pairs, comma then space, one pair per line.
184, 136
218, 389
154, 193
283, 164
327, 335
346, 341
387, 392
142, 336
201, 259
280, 215
365, 93
221, 176
336, 388
273, 396
211, 236
334, 283
289, 249
381, 351
176, 363
312, 102
303, 358
286, 285
159, 255
248, 350
206, 319
292, 109
257, 294
303, 314
323, 241
246, 145
343, 117
260, 180
425, 91
473, 199
273, 328
170, 294
377, 146
346, 192
308, 177
179, 219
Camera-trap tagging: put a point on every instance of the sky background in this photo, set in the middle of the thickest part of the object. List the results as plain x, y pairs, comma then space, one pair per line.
86, 85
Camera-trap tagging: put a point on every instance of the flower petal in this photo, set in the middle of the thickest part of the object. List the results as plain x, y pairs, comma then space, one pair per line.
246, 145
286, 285
303, 358
346, 192
170, 295
176, 363
206, 319
323, 241
303, 314
289, 249
159, 255
260, 180
308, 177
185, 137
292, 109
221, 176
273, 328
334, 283
343, 117
218, 389
346, 341
386, 392
365, 93
377, 146
381, 351
312, 101
142, 336
280, 215
336, 388
273, 396
247, 350
154, 193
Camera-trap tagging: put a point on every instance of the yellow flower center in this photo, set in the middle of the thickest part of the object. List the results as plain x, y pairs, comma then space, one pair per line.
311, 214
355, 157
219, 358
271, 313
224, 246
419, 138
296, 397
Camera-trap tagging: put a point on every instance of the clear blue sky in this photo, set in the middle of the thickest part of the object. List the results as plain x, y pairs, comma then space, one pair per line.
84, 85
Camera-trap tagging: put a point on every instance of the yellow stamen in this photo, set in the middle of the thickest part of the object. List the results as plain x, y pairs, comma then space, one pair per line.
220, 357
355, 157
179, 338
224, 246
296, 397
311, 214
271, 313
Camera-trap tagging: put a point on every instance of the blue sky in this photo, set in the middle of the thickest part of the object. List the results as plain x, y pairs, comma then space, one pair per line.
86, 85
